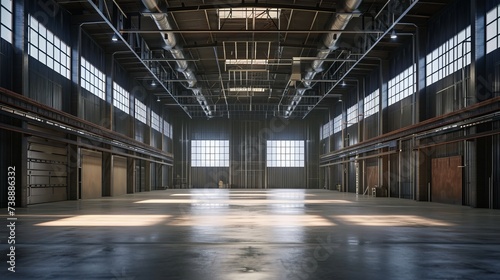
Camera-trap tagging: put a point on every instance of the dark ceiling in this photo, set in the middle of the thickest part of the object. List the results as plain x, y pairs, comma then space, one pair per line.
259, 58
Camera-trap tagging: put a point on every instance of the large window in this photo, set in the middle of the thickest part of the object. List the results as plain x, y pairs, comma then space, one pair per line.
155, 121
167, 129
248, 13
284, 153
403, 85
6, 20
352, 115
48, 48
337, 124
92, 79
493, 29
140, 111
121, 98
210, 153
371, 103
326, 130
450, 57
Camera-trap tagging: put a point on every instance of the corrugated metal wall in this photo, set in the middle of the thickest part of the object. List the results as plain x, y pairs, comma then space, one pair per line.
446, 95
248, 153
400, 114
6, 63
248, 148
495, 180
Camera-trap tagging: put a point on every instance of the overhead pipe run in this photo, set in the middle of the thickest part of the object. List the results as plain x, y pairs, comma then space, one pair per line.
329, 42
161, 20
118, 34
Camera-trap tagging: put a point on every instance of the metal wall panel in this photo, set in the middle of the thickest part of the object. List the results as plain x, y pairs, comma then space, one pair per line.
166, 177
140, 175
141, 132
371, 126
248, 152
6, 64
495, 180
446, 94
248, 155
156, 139
92, 108
44, 89
293, 177
208, 177
122, 122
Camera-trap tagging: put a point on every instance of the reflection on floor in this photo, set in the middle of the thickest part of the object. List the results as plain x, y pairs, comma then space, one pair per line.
254, 234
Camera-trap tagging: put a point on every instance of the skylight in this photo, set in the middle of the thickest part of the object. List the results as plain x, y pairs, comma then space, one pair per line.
246, 61
244, 13
250, 89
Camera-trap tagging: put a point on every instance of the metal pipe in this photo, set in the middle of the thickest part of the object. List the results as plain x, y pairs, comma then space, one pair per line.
79, 59
91, 3
249, 31
416, 55
429, 191
367, 51
383, 7
336, 29
262, 4
490, 186
221, 82
399, 168
464, 85
170, 44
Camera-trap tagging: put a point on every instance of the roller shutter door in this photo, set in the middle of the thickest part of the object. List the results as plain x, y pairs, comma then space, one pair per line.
47, 170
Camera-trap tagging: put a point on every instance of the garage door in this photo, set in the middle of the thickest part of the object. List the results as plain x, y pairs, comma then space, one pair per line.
91, 180
47, 170
119, 176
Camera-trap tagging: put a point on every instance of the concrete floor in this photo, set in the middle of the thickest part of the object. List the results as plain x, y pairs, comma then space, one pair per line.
253, 234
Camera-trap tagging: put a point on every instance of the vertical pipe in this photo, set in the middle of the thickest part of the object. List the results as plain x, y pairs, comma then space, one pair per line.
306, 156
380, 162
389, 177
429, 191
490, 186
182, 156
363, 170
414, 65
413, 166
399, 167
465, 184
245, 155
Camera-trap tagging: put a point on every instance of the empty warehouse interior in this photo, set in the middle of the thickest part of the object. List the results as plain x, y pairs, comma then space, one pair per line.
158, 139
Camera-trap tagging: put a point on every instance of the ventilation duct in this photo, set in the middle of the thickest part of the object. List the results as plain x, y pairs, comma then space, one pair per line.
340, 22
169, 39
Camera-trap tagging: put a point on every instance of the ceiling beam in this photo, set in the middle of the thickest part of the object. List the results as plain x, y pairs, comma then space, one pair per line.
260, 31
315, 9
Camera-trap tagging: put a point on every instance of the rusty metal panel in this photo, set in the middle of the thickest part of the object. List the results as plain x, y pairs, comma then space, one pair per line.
446, 186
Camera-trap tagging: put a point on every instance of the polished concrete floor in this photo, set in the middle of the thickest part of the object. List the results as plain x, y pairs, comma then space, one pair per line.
253, 234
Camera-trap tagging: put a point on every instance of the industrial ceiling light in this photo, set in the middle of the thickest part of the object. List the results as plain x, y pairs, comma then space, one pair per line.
394, 35
343, 83
114, 38
153, 83
158, 99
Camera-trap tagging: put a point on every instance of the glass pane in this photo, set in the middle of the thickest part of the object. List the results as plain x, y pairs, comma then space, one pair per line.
491, 15
7, 18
